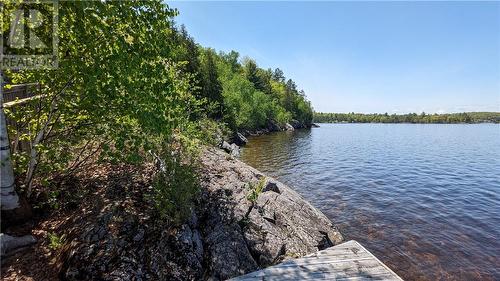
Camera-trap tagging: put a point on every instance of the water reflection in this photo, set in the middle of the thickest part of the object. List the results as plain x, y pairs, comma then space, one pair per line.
281, 149
424, 198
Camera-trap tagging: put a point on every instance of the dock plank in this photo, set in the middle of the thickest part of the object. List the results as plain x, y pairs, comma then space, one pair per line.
348, 261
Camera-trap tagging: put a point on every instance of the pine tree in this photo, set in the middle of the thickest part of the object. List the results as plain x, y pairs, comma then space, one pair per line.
211, 86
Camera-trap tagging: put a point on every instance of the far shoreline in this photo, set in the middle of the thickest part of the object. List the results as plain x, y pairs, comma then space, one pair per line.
410, 123
410, 118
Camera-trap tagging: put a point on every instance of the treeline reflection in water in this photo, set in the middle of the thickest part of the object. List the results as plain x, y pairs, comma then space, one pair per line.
423, 198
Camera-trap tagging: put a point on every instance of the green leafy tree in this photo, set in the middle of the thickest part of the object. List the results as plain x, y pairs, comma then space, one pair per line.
117, 92
231, 59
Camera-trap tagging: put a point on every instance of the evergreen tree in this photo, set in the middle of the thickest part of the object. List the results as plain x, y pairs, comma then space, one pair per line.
190, 54
278, 75
252, 74
211, 86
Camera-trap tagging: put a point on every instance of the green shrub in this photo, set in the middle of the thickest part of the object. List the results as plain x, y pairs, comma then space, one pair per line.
255, 190
55, 241
176, 184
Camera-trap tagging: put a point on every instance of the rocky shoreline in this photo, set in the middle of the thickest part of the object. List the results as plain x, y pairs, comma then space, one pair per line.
243, 235
233, 144
275, 127
243, 221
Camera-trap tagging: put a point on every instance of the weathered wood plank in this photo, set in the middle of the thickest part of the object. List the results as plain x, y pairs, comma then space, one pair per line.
347, 268
322, 276
347, 261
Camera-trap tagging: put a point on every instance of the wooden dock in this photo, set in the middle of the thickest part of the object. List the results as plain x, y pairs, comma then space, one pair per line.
346, 261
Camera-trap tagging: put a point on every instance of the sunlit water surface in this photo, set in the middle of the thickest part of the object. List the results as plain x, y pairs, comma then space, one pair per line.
425, 199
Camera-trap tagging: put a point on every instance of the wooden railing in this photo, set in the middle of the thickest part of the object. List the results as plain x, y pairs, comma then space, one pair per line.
14, 98
19, 92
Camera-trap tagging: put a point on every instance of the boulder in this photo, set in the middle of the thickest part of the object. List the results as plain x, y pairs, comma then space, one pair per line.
10, 243
271, 186
273, 126
289, 127
242, 235
240, 139
235, 150
296, 124
232, 149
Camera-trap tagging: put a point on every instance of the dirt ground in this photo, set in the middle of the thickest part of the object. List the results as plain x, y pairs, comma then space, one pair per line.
73, 207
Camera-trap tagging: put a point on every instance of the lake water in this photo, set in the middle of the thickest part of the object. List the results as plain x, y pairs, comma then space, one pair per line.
425, 199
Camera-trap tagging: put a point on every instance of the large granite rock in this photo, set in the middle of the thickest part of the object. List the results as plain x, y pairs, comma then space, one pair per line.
243, 235
243, 221
297, 124
232, 149
273, 126
240, 139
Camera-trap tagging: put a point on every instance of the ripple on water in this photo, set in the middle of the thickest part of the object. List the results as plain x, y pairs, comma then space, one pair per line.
423, 198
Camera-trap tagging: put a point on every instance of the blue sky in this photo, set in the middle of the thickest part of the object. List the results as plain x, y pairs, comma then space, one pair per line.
394, 57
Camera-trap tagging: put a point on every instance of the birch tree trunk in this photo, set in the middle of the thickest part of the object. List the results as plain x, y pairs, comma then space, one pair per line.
9, 199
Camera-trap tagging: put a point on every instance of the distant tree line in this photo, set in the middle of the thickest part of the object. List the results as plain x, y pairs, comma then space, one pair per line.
448, 118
